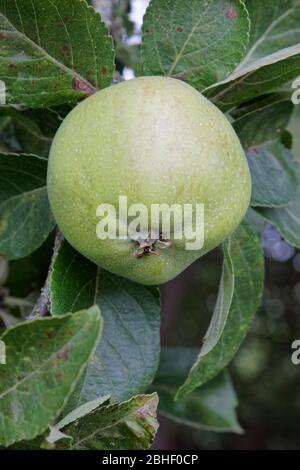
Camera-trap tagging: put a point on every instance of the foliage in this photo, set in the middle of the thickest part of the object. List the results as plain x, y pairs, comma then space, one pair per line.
60, 371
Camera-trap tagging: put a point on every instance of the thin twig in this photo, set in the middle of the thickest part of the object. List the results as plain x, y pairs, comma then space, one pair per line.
42, 306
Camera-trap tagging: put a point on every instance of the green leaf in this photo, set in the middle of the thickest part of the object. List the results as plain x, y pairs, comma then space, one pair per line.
25, 216
130, 425
127, 356
8, 140
223, 303
263, 123
294, 126
287, 219
33, 129
45, 359
33, 444
197, 41
81, 411
274, 181
274, 26
256, 221
53, 51
212, 407
254, 80
259, 129
51, 439
248, 266
2, 353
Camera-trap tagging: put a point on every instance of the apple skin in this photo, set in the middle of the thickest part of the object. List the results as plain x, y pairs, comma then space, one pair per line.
155, 140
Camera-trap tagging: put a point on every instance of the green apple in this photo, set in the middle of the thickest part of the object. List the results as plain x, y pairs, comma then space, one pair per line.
154, 140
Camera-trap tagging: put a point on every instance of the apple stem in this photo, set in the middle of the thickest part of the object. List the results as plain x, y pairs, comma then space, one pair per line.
150, 246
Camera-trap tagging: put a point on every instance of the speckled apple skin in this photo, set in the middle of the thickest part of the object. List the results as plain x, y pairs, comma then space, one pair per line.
156, 140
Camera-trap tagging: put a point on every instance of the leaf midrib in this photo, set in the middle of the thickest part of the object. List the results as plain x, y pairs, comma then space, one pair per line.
23, 194
50, 58
49, 359
189, 37
112, 425
247, 58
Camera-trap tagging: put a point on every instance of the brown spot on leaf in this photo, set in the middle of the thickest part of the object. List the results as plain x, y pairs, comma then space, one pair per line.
63, 355
231, 13
13, 66
179, 29
49, 335
58, 376
64, 50
67, 333
104, 70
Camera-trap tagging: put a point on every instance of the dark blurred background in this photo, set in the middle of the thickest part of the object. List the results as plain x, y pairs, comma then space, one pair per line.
266, 382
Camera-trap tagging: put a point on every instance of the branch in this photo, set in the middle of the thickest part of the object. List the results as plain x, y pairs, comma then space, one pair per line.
42, 306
